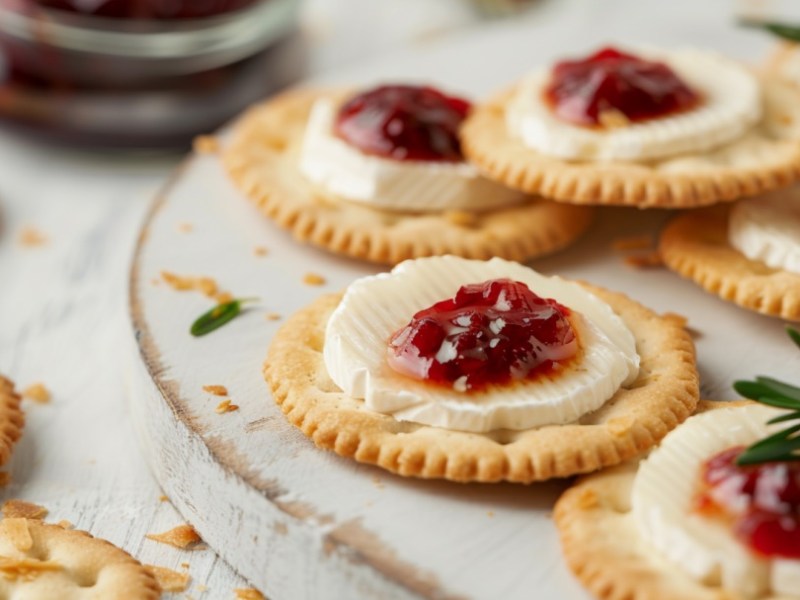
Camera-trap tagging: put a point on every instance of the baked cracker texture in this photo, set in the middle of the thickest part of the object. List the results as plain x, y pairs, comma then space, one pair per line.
695, 245
634, 420
12, 419
766, 158
604, 550
262, 159
63, 563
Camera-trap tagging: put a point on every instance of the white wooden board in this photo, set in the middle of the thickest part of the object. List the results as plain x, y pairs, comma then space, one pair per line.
304, 524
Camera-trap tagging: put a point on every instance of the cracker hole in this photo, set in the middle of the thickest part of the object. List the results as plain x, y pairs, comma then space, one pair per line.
504, 437
86, 578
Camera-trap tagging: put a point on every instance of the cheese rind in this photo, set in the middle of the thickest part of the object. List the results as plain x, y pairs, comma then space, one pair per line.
373, 308
663, 496
767, 229
412, 186
731, 105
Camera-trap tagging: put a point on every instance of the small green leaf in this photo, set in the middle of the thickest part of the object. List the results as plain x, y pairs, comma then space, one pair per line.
787, 32
218, 316
794, 335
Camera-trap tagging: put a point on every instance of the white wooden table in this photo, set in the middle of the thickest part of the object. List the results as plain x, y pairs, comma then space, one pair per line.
63, 304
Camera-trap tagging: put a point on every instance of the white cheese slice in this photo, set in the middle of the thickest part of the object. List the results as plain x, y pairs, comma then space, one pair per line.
663, 497
732, 104
373, 308
767, 229
413, 186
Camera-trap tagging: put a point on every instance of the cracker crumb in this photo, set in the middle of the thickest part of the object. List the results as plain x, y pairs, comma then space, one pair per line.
64, 524
651, 260
272, 316
223, 297
461, 218
37, 392
490, 513
206, 144
26, 569
588, 499
633, 242
185, 227
20, 508
260, 251
184, 565
5, 478
205, 285
169, 580
313, 279
248, 594
181, 536
30, 237
16, 529
216, 390
611, 118
201, 588
226, 406
163, 498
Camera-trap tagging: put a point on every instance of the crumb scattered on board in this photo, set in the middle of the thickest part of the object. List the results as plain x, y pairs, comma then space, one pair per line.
169, 580
216, 390
206, 144
20, 508
260, 251
181, 536
313, 279
226, 406
272, 316
184, 565
185, 227
163, 498
205, 285
30, 237
37, 392
248, 594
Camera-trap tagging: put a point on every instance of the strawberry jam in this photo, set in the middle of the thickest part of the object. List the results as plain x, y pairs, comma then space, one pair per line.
762, 502
403, 122
584, 92
490, 333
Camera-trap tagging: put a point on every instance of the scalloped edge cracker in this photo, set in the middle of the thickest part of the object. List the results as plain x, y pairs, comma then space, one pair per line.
767, 157
634, 420
695, 245
262, 160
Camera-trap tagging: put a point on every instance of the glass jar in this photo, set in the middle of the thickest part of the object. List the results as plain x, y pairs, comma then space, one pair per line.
141, 73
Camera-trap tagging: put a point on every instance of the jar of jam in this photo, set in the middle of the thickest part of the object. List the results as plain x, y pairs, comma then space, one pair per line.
141, 73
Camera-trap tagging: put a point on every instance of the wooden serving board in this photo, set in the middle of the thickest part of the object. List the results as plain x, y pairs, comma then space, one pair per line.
301, 523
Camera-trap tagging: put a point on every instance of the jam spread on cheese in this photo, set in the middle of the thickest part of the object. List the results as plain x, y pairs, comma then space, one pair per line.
490, 333
612, 86
403, 122
762, 502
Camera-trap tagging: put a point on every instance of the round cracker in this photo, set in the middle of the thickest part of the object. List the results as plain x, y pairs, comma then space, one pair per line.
262, 159
766, 158
12, 419
634, 420
695, 245
604, 550
50, 561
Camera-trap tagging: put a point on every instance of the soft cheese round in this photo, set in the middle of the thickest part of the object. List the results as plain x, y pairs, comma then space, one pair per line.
663, 497
373, 308
731, 105
412, 186
767, 229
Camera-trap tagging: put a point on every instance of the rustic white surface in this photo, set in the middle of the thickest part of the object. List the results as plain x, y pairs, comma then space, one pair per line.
301, 523
62, 320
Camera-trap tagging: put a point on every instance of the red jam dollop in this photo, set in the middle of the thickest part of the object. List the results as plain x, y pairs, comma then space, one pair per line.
490, 333
762, 502
584, 92
404, 122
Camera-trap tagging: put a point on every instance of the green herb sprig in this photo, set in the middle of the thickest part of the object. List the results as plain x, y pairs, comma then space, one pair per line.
218, 316
786, 32
784, 445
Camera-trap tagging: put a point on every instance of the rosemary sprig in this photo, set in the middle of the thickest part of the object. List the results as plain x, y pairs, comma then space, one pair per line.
784, 445
786, 32
218, 316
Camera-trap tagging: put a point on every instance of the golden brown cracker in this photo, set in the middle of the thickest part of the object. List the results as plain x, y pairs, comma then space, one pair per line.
49, 561
603, 549
765, 158
262, 159
12, 419
695, 245
634, 420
